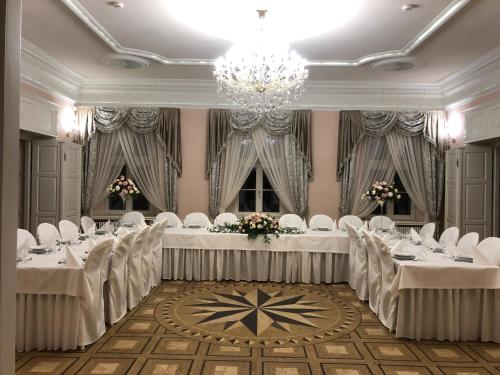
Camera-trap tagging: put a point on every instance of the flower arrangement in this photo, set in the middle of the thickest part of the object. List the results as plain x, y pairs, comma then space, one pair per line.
254, 225
381, 192
124, 188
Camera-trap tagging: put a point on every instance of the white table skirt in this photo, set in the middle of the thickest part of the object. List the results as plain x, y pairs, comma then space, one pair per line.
449, 314
258, 265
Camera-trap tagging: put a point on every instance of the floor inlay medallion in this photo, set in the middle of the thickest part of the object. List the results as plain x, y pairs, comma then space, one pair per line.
258, 315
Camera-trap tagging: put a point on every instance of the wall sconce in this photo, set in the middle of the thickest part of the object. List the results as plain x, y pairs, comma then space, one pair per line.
454, 125
68, 120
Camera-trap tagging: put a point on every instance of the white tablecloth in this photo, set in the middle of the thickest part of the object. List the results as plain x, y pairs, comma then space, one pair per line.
196, 254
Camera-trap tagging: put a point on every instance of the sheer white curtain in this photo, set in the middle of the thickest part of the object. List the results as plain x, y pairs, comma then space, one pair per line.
240, 158
407, 157
272, 155
111, 160
145, 159
373, 162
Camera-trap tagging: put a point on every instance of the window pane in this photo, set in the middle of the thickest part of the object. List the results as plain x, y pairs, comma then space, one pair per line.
270, 202
265, 182
402, 206
398, 184
140, 203
115, 202
246, 201
250, 181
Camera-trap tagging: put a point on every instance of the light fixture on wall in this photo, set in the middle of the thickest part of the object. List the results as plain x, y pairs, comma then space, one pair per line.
67, 120
262, 74
454, 125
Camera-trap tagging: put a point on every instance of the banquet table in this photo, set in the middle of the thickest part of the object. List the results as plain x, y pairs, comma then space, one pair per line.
313, 256
440, 298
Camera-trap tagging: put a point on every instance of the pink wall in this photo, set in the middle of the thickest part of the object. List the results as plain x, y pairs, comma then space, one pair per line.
192, 188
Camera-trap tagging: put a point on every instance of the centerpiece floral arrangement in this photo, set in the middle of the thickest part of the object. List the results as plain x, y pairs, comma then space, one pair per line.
124, 188
254, 225
381, 192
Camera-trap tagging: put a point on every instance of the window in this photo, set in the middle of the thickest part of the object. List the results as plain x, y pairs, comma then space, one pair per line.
399, 209
257, 194
136, 204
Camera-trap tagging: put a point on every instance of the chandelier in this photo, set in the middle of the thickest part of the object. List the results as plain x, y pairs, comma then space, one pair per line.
261, 75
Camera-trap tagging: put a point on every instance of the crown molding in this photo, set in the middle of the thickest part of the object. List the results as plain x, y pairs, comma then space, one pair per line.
46, 73
100, 31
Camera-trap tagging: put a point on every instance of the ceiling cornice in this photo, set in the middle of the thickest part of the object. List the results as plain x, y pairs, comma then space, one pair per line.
446, 14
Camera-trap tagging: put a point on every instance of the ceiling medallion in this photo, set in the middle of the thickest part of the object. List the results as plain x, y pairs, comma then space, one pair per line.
261, 75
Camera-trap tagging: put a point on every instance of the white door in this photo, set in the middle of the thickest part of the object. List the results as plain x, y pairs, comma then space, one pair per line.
452, 188
45, 182
71, 168
477, 190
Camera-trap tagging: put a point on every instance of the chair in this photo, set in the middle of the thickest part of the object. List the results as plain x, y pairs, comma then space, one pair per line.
134, 217
115, 290
449, 237
291, 221
374, 272
92, 322
380, 222
427, 231
173, 220
388, 303
358, 275
197, 219
226, 217
68, 230
87, 223
25, 240
134, 268
489, 250
158, 255
321, 221
47, 234
147, 258
467, 243
355, 221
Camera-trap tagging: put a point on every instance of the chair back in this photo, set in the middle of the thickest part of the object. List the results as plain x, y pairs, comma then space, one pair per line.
134, 217
196, 219
139, 242
355, 221
47, 234
24, 239
290, 221
380, 222
449, 237
226, 217
172, 219
489, 248
122, 250
87, 223
97, 256
427, 231
68, 230
374, 271
468, 242
321, 221
386, 261
355, 237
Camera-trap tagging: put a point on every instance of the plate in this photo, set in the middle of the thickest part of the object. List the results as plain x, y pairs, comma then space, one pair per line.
100, 232
194, 226
324, 229
404, 256
438, 250
463, 259
40, 249
292, 228
128, 225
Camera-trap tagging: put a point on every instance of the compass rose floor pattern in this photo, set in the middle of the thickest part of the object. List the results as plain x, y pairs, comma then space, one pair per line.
143, 342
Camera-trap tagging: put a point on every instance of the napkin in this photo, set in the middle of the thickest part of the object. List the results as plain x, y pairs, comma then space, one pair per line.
401, 247
431, 242
392, 228
365, 225
90, 230
72, 259
479, 258
107, 227
120, 232
334, 226
21, 248
414, 235
303, 226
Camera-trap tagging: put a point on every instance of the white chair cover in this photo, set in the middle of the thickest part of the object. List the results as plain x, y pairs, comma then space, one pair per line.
197, 218
47, 234
291, 221
68, 230
226, 217
321, 221
489, 248
388, 304
147, 259
173, 220
374, 272
115, 291
467, 243
87, 223
355, 221
92, 323
134, 217
449, 237
380, 222
135, 281
25, 240
157, 267
359, 271
427, 231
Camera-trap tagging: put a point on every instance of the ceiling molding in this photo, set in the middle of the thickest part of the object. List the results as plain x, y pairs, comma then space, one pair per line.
46, 73
86, 17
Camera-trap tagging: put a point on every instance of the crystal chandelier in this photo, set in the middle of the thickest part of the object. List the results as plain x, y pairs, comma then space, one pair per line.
262, 75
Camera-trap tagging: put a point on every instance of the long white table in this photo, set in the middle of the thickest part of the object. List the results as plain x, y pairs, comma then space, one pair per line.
439, 298
197, 254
